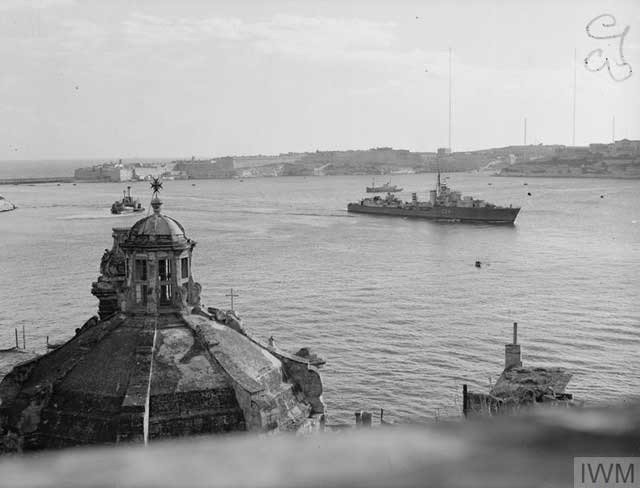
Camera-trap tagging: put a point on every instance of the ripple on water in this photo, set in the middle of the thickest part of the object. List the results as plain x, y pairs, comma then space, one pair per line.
396, 306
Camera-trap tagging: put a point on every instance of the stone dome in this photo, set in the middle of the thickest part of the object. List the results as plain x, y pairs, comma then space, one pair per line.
159, 225
157, 231
134, 378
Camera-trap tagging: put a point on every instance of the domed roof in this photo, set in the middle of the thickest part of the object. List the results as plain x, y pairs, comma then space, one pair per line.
157, 231
158, 225
130, 378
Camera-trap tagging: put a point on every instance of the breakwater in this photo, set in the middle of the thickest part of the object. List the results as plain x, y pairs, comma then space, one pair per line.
33, 181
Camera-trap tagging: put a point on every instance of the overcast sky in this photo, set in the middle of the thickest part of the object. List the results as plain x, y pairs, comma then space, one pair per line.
209, 78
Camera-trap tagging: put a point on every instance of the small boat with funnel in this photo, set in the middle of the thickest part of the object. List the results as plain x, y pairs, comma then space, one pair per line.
444, 204
384, 188
127, 204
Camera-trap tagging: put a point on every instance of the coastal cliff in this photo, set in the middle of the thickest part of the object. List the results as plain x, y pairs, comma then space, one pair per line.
586, 167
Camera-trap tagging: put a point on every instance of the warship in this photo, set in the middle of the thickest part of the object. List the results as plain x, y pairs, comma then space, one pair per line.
444, 204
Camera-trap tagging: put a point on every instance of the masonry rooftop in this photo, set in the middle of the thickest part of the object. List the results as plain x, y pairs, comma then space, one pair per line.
155, 364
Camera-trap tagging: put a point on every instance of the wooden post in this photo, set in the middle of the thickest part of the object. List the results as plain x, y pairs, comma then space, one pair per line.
24, 340
366, 419
358, 419
382, 416
465, 400
17, 343
47, 342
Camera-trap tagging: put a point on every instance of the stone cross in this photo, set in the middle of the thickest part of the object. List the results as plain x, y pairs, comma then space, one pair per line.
231, 295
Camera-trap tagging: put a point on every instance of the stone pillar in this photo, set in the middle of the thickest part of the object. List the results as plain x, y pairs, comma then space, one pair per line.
152, 290
112, 277
512, 357
366, 419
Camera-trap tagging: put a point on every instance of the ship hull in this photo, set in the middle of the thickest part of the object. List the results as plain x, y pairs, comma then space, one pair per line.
459, 214
391, 189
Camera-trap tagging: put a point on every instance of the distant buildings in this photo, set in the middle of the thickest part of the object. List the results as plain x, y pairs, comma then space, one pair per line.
621, 148
524, 152
204, 169
262, 160
105, 172
620, 158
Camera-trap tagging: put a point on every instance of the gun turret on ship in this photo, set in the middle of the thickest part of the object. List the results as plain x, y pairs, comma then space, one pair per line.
443, 204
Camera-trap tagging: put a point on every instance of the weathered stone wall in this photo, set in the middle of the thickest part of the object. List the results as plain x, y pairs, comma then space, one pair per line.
195, 412
73, 418
307, 378
35, 406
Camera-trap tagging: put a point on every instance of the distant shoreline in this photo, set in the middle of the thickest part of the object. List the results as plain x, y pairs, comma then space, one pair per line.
573, 177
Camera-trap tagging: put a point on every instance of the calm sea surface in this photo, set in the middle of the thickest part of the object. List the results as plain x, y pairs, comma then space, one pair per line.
395, 306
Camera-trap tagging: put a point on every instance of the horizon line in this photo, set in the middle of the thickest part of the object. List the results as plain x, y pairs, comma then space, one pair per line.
185, 158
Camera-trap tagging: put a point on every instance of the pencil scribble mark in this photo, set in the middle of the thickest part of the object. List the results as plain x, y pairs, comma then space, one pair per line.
604, 27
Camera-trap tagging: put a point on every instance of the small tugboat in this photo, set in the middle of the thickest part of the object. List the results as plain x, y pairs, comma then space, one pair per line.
385, 188
127, 204
443, 204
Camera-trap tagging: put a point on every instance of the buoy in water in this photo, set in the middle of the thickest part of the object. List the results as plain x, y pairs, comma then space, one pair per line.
478, 264
601, 196
529, 193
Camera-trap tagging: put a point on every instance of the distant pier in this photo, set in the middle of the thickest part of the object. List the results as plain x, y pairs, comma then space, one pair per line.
33, 181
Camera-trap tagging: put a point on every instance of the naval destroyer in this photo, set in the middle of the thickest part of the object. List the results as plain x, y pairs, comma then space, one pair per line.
443, 204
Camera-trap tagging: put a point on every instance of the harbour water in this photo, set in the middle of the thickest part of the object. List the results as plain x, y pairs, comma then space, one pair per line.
396, 306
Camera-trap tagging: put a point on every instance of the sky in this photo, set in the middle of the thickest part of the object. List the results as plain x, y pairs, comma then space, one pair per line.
141, 78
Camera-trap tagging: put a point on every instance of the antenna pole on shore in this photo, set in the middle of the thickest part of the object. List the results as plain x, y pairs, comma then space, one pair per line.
17, 343
450, 150
613, 129
575, 65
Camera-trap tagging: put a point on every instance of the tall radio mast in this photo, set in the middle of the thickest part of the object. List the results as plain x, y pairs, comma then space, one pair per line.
575, 65
450, 150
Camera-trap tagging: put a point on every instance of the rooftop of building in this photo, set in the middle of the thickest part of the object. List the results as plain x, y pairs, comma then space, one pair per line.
147, 372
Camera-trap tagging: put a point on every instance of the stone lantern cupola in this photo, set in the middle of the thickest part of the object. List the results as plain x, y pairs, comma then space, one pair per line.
158, 266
